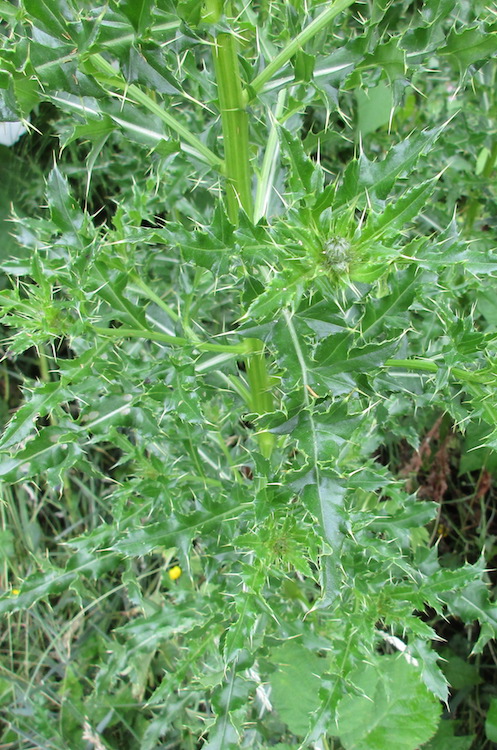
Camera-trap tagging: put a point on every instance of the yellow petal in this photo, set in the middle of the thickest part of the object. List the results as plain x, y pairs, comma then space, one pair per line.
174, 572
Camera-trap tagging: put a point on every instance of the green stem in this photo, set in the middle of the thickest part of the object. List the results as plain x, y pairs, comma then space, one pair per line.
425, 365
261, 398
212, 11
138, 281
99, 65
43, 366
490, 163
235, 126
266, 179
296, 44
234, 121
165, 338
6, 385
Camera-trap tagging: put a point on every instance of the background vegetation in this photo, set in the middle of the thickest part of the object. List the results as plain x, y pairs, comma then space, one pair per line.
248, 375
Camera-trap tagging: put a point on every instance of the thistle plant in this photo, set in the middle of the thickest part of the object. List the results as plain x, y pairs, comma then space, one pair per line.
252, 275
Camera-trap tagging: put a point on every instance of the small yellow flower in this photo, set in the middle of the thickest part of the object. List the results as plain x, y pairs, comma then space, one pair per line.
15, 592
174, 572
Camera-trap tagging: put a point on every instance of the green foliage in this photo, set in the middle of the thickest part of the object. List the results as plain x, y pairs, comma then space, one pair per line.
295, 685
262, 271
380, 714
491, 723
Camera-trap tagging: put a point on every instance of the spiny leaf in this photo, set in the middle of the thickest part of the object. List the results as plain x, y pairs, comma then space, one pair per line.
389, 57
52, 581
446, 739
336, 355
111, 289
396, 215
283, 290
391, 309
378, 177
138, 12
63, 208
232, 695
470, 45
54, 451
306, 176
143, 541
52, 21
42, 401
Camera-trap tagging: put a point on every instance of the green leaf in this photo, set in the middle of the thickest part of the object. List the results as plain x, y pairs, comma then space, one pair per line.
320, 437
378, 177
181, 397
446, 739
223, 735
190, 11
6, 545
336, 355
295, 685
147, 633
53, 580
232, 695
7, 10
306, 177
64, 210
110, 288
241, 631
50, 19
390, 312
149, 68
283, 290
388, 57
303, 65
54, 451
470, 45
430, 35
138, 12
390, 707
320, 434
42, 401
374, 108
433, 676
473, 603
142, 541
143, 129
396, 215
210, 248
459, 672
414, 515
108, 410
324, 497
491, 721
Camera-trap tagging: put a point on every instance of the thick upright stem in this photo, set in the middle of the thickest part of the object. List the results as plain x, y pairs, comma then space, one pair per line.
261, 397
235, 126
238, 175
